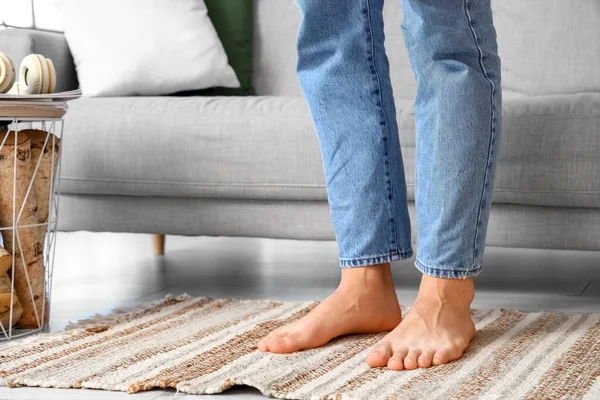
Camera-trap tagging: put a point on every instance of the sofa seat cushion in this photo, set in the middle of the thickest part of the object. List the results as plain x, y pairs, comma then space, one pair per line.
232, 147
266, 148
550, 153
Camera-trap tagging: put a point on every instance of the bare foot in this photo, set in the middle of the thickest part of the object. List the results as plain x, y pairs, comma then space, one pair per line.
436, 330
364, 302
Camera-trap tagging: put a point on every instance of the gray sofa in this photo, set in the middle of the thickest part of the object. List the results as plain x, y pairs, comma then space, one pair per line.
251, 166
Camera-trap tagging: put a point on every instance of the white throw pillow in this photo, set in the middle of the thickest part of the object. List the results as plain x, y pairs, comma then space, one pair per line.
144, 47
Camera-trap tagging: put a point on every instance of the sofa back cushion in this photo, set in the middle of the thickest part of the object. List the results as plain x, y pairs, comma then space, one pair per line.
546, 46
549, 46
275, 25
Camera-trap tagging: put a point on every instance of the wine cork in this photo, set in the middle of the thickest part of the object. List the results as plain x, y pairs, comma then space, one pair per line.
44, 174
30, 305
5, 260
28, 261
29, 236
5, 320
6, 300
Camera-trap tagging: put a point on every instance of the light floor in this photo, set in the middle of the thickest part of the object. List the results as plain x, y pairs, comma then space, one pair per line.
95, 272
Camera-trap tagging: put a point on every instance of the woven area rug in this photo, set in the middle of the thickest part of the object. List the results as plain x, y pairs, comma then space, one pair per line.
204, 345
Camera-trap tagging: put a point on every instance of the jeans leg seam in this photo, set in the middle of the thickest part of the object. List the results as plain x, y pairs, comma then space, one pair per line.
393, 238
492, 132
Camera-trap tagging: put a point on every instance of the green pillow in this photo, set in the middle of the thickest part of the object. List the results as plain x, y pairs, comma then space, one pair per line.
233, 21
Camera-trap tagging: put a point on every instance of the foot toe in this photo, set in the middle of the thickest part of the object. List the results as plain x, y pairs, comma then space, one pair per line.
448, 354
396, 362
380, 355
265, 343
424, 360
289, 343
410, 361
280, 344
441, 357
262, 345
273, 339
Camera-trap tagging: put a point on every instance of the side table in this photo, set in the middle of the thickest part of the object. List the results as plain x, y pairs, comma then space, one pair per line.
30, 150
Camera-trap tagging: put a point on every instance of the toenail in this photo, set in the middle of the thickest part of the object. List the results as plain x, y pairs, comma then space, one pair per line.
437, 361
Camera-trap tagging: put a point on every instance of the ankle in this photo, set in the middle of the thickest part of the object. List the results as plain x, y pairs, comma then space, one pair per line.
459, 291
378, 276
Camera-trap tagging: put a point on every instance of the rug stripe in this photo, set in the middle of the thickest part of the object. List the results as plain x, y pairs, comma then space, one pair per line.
54, 354
122, 378
594, 392
217, 381
562, 380
385, 385
124, 315
314, 357
149, 368
213, 359
351, 369
340, 364
353, 346
503, 360
270, 367
534, 377
356, 382
229, 307
151, 349
520, 371
10, 354
92, 358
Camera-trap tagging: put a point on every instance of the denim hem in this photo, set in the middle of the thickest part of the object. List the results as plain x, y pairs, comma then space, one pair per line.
393, 255
450, 273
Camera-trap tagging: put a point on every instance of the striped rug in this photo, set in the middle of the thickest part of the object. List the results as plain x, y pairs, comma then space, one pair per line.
204, 345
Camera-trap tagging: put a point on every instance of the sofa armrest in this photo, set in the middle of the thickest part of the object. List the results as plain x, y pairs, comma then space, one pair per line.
18, 43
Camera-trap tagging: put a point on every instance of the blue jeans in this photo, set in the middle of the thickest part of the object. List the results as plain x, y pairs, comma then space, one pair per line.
344, 73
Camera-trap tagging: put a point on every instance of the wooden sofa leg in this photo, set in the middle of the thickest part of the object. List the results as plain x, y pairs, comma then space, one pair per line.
158, 244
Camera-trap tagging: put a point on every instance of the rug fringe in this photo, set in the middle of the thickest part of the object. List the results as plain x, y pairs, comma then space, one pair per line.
98, 322
36, 338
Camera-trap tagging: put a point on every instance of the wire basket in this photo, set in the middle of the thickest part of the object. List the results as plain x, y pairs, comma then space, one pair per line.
28, 220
